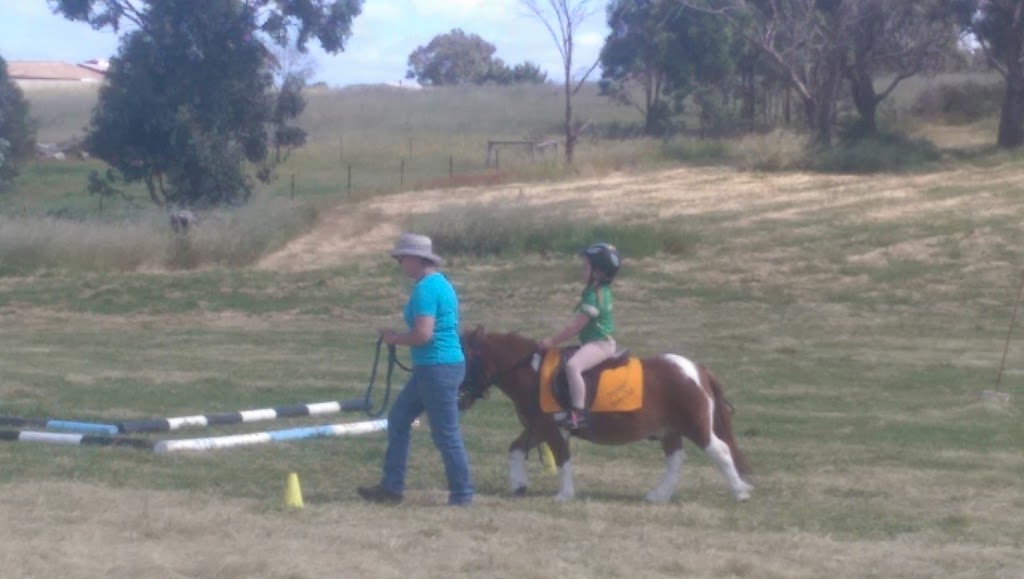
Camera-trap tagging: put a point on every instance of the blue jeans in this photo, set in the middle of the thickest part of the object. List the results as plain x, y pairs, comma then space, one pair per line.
434, 388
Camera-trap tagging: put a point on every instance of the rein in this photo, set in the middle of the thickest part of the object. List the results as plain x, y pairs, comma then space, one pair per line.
476, 387
392, 362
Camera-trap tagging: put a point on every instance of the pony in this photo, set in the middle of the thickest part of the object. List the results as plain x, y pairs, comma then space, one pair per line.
680, 398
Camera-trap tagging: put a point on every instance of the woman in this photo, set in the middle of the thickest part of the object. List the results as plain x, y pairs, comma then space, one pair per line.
432, 316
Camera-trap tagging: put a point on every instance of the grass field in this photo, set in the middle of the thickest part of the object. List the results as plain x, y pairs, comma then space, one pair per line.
853, 320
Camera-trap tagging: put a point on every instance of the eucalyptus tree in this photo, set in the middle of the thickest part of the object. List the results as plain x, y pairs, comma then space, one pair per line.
663, 52
452, 58
999, 27
806, 40
897, 40
189, 105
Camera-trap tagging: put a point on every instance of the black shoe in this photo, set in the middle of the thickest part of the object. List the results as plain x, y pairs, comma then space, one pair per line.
379, 494
579, 421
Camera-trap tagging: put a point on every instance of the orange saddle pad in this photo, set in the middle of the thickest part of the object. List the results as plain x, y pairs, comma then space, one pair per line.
619, 389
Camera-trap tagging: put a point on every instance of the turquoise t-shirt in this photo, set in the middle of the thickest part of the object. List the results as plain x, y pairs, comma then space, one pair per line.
434, 296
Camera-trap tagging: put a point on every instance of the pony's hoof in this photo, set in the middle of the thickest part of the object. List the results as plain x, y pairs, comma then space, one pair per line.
519, 492
564, 498
743, 494
657, 498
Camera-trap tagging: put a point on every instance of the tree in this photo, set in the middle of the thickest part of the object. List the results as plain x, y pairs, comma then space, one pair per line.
563, 18
662, 51
526, 73
290, 104
289, 61
189, 102
999, 27
456, 58
451, 59
895, 38
807, 40
17, 129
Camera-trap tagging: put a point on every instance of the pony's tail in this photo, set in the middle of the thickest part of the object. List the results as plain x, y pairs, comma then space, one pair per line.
723, 425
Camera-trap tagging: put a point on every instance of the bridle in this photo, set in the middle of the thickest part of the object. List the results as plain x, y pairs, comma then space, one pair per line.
477, 381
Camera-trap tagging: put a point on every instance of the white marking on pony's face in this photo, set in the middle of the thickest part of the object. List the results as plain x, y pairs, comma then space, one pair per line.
535, 362
688, 368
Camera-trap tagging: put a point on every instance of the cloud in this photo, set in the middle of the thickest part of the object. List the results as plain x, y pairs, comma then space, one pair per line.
379, 10
476, 10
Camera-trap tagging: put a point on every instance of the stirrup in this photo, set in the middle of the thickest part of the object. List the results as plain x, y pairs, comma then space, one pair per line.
578, 420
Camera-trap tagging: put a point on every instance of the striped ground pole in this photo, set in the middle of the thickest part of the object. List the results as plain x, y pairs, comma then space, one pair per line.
66, 425
201, 420
198, 444
229, 441
74, 439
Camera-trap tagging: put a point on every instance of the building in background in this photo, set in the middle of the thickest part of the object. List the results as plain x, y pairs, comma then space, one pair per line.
42, 73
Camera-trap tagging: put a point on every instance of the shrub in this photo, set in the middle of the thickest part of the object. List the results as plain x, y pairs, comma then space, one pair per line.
497, 229
874, 154
962, 103
697, 151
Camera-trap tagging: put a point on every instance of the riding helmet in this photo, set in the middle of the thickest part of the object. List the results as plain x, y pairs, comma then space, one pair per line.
604, 258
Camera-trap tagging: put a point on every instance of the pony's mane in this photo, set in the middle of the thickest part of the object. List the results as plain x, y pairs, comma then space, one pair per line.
523, 344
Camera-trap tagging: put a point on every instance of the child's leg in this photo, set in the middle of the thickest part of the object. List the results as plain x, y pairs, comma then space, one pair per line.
589, 355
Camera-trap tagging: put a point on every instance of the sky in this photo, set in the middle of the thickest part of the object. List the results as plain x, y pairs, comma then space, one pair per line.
383, 36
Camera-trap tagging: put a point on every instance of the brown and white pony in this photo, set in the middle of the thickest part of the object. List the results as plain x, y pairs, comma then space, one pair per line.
680, 398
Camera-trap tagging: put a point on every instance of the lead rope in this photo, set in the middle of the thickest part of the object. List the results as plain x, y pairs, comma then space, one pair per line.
392, 362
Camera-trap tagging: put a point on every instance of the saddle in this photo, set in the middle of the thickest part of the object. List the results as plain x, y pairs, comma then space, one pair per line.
615, 385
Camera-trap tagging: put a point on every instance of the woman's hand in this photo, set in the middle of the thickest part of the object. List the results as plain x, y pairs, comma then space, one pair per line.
545, 344
389, 336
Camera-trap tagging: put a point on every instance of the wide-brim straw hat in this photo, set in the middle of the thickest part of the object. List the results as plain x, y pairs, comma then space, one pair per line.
418, 245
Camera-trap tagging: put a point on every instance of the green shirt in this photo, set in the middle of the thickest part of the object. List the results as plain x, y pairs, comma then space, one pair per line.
596, 302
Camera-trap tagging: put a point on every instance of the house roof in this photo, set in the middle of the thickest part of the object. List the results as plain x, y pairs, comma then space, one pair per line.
51, 70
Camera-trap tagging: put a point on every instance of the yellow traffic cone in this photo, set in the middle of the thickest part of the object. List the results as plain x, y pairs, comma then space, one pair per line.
547, 458
292, 492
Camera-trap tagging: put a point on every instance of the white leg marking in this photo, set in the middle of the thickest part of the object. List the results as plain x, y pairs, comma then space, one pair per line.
666, 487
517, 476
717, 449
566, 491
719, 452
